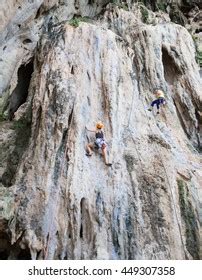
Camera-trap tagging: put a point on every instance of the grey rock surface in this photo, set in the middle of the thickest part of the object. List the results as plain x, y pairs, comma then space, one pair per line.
55, 202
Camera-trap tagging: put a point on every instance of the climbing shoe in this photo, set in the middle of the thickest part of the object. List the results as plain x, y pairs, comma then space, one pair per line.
108, 164
158, 112
150, 109
88, 155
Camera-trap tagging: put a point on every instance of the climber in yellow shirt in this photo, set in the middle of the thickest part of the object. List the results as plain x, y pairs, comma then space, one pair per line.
160, 100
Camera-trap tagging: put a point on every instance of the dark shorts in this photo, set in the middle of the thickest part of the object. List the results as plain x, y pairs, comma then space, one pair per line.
158, 102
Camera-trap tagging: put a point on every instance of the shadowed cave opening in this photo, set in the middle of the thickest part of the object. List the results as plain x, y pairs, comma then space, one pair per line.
199, 129
27, 41
20, 93
85, 222
24, 254
12, 252
4, 246
171, 70
198, 30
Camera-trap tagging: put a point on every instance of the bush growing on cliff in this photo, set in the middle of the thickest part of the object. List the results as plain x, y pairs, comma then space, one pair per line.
2, 118
76, 21
145, 14
199, 56
161, 6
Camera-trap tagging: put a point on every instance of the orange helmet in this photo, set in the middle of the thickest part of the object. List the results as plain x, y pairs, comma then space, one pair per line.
99, 125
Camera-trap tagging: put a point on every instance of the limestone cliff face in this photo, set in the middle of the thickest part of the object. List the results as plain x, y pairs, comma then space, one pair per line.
59, 74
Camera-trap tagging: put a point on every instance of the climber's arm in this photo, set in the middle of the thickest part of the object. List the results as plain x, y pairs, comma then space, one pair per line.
90, 130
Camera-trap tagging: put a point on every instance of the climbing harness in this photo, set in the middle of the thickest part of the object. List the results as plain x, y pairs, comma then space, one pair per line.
100, 143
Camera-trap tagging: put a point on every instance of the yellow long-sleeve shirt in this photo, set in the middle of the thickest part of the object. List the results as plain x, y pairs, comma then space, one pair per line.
159, 94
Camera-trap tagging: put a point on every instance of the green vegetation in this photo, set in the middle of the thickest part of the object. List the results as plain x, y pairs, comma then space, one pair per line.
145, 14
189, 217
6, 209
4, 102
22, 128
76, 21
199, 57
120, 4
2, 117
198, 47
19, 125
23, 132
161, 6
176, 15
181, 190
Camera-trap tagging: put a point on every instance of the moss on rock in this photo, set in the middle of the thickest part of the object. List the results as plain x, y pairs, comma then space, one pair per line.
22, 128
190, 220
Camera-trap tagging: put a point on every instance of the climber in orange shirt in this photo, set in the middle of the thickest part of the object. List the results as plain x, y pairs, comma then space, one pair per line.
160, 100
99, 143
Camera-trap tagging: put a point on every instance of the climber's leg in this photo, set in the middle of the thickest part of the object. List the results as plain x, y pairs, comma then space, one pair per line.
89, 148
161, 102
152, 104
158, 105
104, 153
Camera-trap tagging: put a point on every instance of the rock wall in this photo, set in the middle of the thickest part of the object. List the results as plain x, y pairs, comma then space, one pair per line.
56, 203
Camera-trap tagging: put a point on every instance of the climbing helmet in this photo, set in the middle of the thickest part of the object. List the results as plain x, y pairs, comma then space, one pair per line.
99, 125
